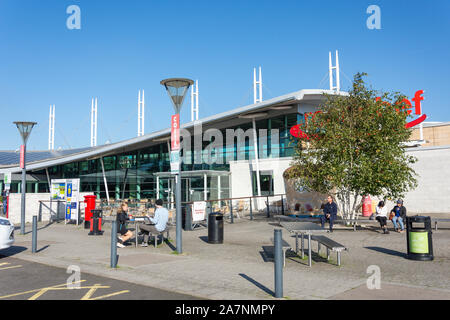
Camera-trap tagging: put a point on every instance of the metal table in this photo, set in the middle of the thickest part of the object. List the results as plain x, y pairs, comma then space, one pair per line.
136, 220
303, 228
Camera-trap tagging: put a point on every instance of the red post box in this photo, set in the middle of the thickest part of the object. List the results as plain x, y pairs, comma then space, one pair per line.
90, 205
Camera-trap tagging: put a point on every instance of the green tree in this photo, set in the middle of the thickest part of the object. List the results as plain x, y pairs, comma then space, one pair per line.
353, 146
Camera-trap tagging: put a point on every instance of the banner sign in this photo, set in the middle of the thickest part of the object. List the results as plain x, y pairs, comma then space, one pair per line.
175, 132
7, 178
198, 211
175, 162
22, 156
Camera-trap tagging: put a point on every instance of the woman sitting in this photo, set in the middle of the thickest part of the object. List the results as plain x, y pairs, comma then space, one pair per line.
381, 216
122, 219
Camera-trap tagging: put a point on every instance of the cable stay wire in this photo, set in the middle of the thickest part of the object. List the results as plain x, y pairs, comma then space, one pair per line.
64, 137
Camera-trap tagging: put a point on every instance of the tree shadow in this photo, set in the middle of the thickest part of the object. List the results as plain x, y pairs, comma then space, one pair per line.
388, 251
259, 285
5, 253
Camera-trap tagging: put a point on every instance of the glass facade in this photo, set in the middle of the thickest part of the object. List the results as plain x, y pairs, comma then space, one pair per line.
134, 174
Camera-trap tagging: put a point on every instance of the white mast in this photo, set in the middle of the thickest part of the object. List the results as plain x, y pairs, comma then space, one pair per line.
194, 101
256, 83
141, 114
94, 123
331, 68
51, 128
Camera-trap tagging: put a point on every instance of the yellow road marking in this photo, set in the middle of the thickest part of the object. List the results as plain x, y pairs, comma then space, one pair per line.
44, 290
110, 295
36, 290
10, 267
91, 291
4, 264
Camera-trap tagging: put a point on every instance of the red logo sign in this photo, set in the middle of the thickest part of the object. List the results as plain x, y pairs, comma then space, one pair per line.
22, 156
298, 133
175, 132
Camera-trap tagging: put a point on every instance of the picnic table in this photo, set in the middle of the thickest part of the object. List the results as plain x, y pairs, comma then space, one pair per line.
303, 228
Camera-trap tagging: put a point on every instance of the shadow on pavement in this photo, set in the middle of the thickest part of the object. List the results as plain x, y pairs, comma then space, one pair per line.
12, 251
204, 239
43, 248
388, 251
256, 283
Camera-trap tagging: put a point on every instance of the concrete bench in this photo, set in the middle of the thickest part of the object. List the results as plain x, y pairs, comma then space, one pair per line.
330, 245
271, 250
436, 220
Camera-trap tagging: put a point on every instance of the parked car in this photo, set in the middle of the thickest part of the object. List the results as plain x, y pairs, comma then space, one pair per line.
6, 233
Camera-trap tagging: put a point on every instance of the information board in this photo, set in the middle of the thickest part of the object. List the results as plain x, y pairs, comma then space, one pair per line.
198, 211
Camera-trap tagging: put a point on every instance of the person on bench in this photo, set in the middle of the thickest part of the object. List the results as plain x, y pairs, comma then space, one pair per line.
158, 222
329, 213
381, 216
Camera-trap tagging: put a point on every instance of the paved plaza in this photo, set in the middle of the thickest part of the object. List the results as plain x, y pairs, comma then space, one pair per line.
239, 269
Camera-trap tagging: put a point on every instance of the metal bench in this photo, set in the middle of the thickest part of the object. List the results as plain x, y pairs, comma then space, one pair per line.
436, 220
330, 245
156, 235
271, 250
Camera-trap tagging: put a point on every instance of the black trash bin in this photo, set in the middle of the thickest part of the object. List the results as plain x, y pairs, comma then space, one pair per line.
96, 223
418, 238
215, 227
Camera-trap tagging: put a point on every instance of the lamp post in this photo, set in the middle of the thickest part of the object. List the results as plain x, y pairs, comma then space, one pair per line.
25, 131
177, 89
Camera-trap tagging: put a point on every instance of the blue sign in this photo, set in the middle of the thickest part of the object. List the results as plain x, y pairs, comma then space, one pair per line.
69, 190
68, 211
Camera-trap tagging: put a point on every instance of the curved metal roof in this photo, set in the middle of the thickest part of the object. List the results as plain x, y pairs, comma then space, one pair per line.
37, 160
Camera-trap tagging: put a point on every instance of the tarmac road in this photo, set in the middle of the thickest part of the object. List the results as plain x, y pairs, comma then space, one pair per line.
24, 280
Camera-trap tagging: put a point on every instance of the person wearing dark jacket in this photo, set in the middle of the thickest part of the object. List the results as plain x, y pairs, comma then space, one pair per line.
122, 219
329, 213
399, 212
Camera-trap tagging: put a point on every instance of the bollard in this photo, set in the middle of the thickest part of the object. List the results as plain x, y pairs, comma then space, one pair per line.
251, 211
268, 209
282, 205
278, 263
34, 235
113, 244
231, 211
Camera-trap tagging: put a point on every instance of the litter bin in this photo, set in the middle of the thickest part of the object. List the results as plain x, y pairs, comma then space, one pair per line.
215, 227
186, 219
418, 238
96, 223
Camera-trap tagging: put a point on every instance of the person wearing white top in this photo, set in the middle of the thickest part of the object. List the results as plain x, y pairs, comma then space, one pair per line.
382, 216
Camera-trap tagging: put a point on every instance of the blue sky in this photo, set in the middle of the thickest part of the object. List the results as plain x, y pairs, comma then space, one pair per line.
124, 46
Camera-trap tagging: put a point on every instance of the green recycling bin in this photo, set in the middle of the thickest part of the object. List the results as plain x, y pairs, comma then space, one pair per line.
419, 239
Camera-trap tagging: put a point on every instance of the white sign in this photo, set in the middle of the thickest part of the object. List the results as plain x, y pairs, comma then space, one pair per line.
198, 211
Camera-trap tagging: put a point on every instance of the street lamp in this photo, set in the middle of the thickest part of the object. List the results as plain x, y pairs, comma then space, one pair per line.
25, 131
177, 89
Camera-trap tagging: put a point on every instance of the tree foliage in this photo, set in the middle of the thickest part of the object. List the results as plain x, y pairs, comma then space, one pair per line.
354, 145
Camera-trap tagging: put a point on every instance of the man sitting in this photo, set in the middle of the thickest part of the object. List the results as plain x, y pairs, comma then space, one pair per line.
158, 222
329, 213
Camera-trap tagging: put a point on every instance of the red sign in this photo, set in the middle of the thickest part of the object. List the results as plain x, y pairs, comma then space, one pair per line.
175, 132
298, 133
22, 156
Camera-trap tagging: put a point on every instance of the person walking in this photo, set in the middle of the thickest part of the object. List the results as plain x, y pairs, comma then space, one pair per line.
329, 213
399, 212
122, 218
158, 222
381, 216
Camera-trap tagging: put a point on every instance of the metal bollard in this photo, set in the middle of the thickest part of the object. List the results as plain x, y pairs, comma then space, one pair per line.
278, 263
231, 211
113, 244
34, 235
251, 210
282, 205
268, 209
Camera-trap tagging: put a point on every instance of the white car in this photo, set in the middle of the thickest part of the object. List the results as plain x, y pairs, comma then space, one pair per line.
6, 233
